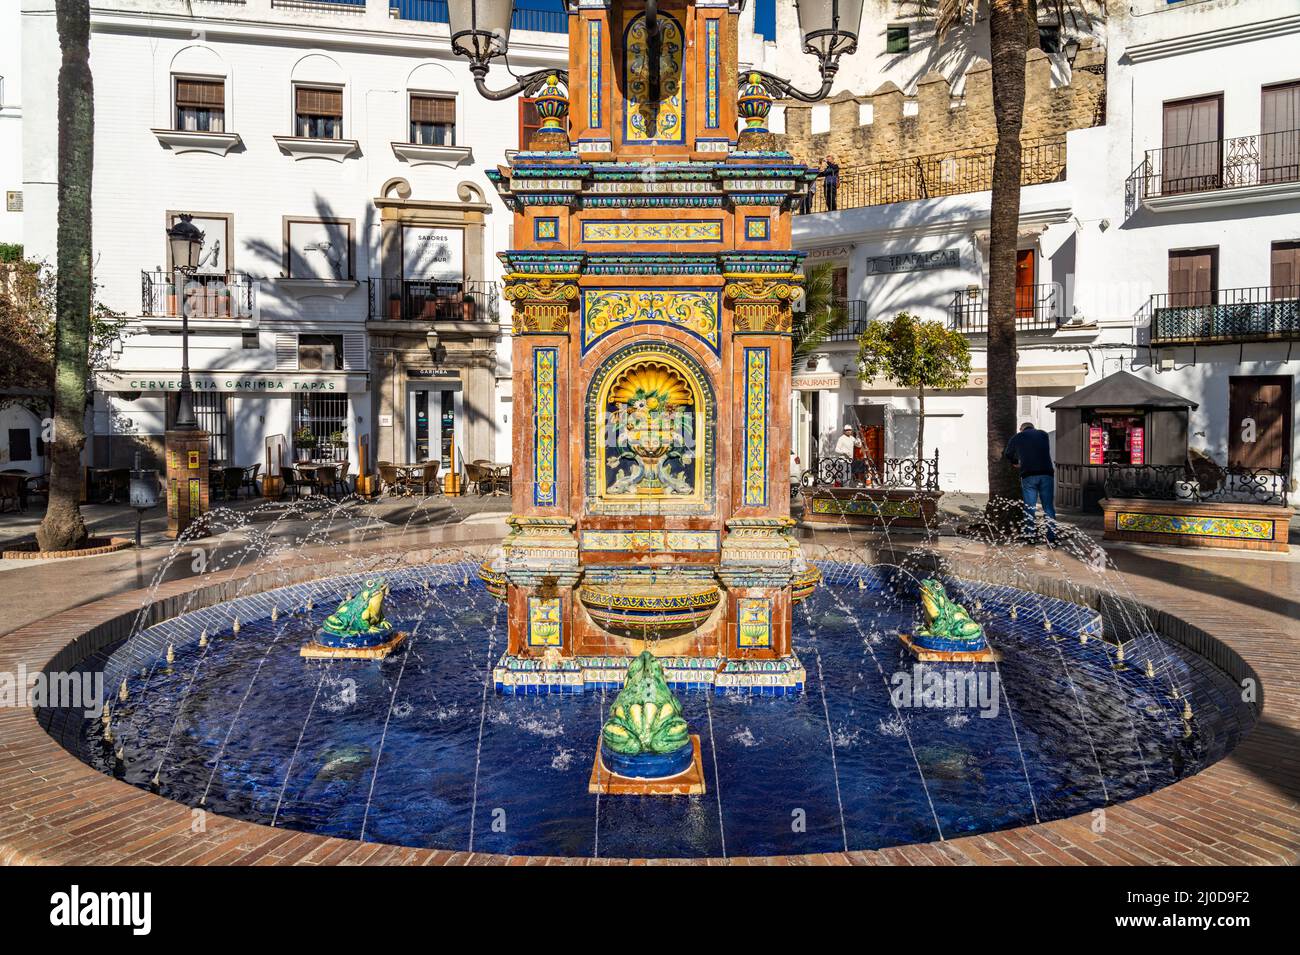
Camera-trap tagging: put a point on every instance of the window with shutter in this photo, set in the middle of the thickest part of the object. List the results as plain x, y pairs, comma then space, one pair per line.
433, 120
200, 105
286, 352
1193, 147
1193, 277
318, 112
1279, 133
1284, 271
530, 121
354, 352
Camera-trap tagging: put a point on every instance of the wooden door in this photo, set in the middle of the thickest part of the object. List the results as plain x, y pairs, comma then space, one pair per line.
1193, 277
1191, 160
1025, 283
1284, 271
1279, 133
1259, 420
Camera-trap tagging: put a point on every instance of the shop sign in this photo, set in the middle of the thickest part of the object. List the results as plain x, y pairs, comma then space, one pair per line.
818, 382
262, 383
914, 261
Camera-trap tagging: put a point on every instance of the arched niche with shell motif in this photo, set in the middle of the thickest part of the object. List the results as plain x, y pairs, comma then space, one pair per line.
650, 421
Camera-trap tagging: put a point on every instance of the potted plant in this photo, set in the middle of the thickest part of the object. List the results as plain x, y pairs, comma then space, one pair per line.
304, 443
339, 438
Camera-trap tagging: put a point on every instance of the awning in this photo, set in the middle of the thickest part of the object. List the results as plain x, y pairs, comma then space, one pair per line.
1123, 390
249, 382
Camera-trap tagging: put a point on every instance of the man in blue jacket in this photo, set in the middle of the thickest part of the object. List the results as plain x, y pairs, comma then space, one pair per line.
1031, 452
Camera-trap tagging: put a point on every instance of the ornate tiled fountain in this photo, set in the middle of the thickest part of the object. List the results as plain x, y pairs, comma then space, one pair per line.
652, 281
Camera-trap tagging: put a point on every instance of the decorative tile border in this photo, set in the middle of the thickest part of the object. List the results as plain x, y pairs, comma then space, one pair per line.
756, 414
1194, 525
594, 117
651, 231
712, 57
696, 311
545, 467
618, 541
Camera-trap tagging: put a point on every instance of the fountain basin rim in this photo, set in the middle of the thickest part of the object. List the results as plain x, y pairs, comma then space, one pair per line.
46, 645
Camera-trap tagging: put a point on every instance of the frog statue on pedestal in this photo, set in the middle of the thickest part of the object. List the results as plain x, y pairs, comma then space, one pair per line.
357, 628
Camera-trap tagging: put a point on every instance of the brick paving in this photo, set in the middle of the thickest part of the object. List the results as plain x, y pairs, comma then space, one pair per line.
1243, 810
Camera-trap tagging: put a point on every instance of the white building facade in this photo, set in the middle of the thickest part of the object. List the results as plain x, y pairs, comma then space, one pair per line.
11, 124
333, 155
1168, 249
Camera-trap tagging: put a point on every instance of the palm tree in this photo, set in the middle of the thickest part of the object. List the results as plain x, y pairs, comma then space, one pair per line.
63, 527
1011, 23
823, 313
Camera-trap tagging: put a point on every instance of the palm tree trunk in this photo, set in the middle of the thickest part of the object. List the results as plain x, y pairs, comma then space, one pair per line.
63, 527
1007, 44
920, 435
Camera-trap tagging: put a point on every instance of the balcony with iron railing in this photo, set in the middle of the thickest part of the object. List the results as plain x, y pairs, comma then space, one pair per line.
1183, 175
848, 321
1038, 308
934, 175
426, 11
432, 300
1226, 315
435, 11
205, 296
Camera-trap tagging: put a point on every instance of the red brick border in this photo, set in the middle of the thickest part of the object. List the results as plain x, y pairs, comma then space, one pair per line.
56, 809
30, 551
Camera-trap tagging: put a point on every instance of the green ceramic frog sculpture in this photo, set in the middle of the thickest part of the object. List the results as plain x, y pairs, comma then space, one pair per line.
947, 624
645, 717
357, 617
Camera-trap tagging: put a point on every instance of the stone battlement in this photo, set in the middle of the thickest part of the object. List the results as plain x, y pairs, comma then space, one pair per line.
888, 129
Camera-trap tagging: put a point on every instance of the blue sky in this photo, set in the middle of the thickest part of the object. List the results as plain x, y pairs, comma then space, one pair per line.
766, 17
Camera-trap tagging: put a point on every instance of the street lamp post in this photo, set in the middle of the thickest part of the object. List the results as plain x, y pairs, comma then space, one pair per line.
186, 243
186, 443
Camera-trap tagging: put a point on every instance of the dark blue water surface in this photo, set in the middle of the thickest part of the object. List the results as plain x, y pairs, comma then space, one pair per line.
419, 750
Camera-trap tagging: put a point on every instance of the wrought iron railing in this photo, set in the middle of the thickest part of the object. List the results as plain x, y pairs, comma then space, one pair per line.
1170, 482
1226, 315
863, 473
935, 174
337, 6
1038, 308
1259, 160
223, 295
852, 322
432, 301
435, 11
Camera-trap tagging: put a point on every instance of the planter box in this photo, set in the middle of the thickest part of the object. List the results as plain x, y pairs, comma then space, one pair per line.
870, 507
1192, 524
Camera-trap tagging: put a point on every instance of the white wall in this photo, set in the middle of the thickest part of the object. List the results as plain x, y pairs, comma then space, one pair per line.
11, 118
1158, 54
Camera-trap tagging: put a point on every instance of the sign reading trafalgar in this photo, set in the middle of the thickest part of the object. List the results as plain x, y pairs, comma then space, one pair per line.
914, 261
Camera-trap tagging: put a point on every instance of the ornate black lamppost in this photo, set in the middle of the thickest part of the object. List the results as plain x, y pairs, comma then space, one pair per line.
186, 443
186, 242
